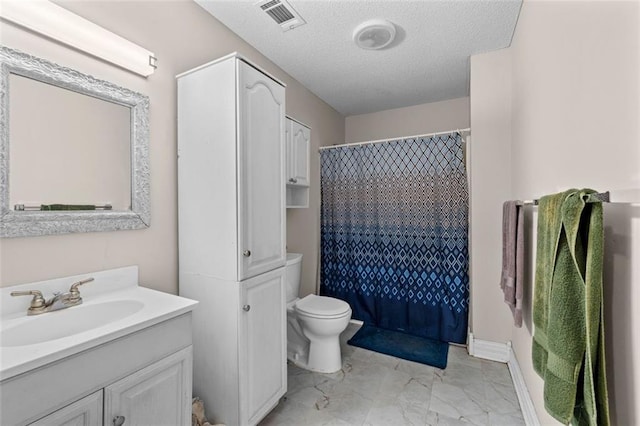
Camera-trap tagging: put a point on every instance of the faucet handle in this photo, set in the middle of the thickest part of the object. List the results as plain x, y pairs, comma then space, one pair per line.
74, 292
37, 303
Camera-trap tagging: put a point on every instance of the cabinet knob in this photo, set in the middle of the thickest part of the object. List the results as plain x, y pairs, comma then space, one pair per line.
246, 308
246, 253
118, 420
293, 180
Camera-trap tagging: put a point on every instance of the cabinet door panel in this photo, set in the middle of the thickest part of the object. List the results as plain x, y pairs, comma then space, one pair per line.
261, 173
289, 154
301, 136
263, 343
84, 412
158, 395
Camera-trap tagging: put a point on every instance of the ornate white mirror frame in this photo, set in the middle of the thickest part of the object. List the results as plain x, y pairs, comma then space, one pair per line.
34, 223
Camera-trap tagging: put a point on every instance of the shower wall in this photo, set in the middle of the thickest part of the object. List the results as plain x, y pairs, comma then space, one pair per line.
414, 120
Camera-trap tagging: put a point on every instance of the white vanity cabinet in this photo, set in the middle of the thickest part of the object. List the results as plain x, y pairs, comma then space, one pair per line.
159, 394
298, 140
146, 377
231, 219
125, 353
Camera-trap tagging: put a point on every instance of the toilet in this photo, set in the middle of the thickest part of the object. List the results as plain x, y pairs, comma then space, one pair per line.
314, 324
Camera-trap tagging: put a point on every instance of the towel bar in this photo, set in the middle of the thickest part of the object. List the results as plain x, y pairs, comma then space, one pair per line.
602, 197
22, 207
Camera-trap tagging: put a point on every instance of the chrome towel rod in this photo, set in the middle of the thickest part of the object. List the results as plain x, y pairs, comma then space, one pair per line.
603, 197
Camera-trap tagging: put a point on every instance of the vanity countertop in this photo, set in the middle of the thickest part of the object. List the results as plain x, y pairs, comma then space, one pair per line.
134, 308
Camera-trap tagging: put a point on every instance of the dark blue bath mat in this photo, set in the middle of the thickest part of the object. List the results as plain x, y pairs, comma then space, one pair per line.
401, 345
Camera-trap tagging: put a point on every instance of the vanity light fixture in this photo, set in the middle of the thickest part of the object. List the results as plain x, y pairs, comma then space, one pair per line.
57, 23
374, 34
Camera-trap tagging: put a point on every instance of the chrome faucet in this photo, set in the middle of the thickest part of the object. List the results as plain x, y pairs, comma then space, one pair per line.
59, 300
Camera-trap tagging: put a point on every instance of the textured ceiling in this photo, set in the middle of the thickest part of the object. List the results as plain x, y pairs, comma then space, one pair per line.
428, 62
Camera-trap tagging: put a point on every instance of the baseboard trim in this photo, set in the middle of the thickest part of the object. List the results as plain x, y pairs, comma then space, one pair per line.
526, 404
502, 352
486, 349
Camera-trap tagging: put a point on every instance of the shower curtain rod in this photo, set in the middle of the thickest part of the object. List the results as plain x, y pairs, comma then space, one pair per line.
428, 135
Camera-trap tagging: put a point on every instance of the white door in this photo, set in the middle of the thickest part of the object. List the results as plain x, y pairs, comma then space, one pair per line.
84, 412
300, 137
158, 395
263, 359
261, 186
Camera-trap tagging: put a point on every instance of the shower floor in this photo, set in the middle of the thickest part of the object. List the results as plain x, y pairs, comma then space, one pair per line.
376, 389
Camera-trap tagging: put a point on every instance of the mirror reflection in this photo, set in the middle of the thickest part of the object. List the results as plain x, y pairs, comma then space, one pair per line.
67, 147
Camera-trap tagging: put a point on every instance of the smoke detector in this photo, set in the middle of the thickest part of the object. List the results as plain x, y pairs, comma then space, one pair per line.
374, 34
281, 12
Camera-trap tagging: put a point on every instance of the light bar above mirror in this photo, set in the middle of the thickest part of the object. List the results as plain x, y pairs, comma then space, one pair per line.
57, 23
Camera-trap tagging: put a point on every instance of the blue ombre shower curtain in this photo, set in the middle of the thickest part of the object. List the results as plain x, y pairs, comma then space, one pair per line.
394, 234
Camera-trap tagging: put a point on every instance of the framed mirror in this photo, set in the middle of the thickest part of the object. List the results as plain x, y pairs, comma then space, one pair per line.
74, 151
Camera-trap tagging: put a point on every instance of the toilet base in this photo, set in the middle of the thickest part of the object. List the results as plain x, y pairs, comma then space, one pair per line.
325, 357
330, 363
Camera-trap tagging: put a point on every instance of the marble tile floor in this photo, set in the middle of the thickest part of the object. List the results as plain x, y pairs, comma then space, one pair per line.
376, 389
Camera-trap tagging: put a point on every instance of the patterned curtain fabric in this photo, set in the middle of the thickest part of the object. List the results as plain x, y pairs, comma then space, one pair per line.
394, 240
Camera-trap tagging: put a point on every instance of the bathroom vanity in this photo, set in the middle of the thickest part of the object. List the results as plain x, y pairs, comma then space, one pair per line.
122, 357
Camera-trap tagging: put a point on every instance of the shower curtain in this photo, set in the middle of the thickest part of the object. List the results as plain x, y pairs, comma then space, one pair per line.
394, 240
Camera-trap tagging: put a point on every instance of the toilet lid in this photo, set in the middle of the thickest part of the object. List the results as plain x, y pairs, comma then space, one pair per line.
322, 306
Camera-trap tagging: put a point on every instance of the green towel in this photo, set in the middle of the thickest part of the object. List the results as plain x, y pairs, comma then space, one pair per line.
568, 340
67, 207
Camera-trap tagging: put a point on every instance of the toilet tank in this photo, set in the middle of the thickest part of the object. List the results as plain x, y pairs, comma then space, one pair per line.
292, 272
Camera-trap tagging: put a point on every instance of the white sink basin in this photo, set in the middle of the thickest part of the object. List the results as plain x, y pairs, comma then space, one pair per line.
114, 307
67, 322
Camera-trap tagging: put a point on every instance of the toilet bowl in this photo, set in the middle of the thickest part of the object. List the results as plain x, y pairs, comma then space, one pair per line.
314, 324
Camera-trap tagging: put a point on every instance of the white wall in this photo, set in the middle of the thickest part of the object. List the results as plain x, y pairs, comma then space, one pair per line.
182, 35
414, 120
490, 170
574, 113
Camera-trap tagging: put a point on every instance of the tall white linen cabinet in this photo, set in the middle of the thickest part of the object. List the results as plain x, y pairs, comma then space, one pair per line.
231, 209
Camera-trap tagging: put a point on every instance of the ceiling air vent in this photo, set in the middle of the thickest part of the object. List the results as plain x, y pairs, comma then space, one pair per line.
282, 12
